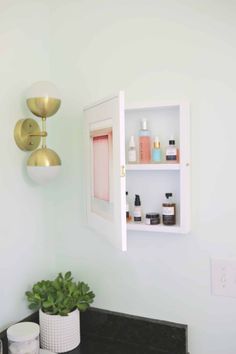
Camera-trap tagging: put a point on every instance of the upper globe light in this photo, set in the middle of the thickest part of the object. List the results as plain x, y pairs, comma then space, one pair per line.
43, 89
43, 99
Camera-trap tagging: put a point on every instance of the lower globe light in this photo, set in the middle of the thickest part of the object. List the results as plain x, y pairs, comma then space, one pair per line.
43, 165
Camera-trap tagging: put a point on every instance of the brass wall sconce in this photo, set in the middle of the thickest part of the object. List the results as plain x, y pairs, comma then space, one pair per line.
43, 101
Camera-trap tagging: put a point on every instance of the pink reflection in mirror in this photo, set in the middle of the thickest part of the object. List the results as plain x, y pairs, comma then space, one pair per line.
101, 167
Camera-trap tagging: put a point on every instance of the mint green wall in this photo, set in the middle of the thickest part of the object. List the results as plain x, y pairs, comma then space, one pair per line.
162, 49
153, 50
24, 58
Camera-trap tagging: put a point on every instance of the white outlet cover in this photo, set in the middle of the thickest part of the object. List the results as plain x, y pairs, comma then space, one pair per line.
223, 277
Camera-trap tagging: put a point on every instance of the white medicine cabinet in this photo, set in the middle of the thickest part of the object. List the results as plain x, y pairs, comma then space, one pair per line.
108, 127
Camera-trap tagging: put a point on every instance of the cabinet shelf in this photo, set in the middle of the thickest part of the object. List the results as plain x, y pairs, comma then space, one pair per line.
154, 228
153, 167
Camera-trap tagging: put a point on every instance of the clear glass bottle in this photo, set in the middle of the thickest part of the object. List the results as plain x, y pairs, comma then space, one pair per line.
156, 151
132, 153
172, 152
144, 143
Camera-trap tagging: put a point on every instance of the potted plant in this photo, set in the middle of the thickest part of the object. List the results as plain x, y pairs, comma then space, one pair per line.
59, 302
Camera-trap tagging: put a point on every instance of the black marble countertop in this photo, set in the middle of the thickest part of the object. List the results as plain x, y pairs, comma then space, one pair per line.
107, 332
101, 346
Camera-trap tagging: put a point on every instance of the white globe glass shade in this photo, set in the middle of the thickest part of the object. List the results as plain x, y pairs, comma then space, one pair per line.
43, 89
43, 174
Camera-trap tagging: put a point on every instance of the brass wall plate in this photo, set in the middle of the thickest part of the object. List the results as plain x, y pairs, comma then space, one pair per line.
22, 131
43, 106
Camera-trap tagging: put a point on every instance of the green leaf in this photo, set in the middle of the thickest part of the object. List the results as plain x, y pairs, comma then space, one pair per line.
28, 293
85, 288
37, 297
68, 275
47, 304
82, 307
50, 299
34, 306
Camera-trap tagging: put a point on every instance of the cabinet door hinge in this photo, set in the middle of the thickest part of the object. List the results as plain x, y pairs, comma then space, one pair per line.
122, 171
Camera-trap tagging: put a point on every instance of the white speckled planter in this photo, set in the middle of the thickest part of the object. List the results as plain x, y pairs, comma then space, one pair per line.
59, 333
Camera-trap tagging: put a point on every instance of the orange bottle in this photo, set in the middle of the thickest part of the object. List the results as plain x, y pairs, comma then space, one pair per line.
144, 143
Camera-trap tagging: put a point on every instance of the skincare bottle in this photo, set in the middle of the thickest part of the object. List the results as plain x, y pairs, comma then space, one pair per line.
172, 152
128, 217
156, 151
169, 211
132, 154
144, 143
137, 209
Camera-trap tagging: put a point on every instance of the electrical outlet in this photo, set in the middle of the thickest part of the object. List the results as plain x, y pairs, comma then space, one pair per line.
223, 277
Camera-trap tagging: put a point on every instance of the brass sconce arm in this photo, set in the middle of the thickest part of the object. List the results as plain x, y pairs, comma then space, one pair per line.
42, 134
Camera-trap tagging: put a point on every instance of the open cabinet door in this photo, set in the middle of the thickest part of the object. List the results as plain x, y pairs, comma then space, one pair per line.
105, 160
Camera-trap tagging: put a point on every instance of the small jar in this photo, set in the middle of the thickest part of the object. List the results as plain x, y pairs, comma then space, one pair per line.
23, 338
152, 219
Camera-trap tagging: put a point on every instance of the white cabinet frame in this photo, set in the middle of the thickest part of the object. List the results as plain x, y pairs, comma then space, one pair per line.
116, 229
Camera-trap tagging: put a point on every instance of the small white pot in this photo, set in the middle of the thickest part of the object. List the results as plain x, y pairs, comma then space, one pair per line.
59, 333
